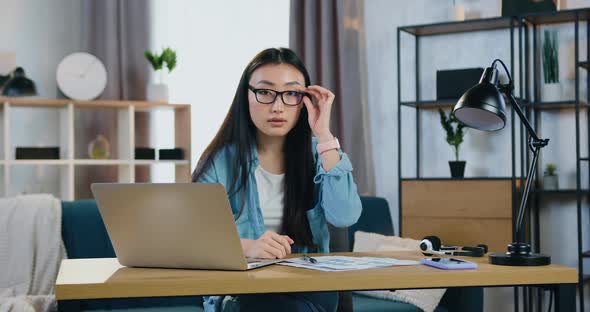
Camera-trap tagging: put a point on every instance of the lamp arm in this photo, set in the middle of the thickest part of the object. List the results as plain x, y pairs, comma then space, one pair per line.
525, 194
536, 146
505, 89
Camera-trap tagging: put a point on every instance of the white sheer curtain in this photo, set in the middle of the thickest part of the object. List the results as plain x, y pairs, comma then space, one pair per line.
214, 41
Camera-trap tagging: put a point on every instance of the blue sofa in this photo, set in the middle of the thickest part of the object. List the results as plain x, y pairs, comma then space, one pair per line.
85, 236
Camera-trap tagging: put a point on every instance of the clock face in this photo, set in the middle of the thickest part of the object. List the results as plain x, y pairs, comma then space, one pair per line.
81, 76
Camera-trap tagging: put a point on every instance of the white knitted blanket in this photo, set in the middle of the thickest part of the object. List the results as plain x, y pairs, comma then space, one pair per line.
425, 299
31, 250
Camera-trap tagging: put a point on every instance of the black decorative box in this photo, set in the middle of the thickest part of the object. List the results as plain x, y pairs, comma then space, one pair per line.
145, 153
451, 84
523, 7
171, 153
37, 153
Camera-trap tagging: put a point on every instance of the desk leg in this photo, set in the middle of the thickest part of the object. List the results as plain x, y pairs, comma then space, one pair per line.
516, 305
565, 297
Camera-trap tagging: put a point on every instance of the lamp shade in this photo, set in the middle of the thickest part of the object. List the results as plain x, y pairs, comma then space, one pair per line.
482, 107
19, 85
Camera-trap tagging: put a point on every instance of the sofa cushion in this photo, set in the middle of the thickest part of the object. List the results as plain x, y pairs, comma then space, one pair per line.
85, 236
368, 304
157, 309
83, 231
375, 218
426, 299
168, 304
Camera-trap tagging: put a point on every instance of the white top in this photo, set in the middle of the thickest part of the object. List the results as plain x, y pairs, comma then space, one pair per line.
271, 194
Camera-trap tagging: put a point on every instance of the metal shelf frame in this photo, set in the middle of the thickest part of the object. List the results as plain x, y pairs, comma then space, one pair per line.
535, 21
525, 30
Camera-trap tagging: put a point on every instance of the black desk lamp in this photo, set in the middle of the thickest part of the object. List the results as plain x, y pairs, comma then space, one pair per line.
482, 107
17, 84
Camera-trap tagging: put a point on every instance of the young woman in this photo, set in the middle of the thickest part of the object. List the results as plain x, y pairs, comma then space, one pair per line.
283, 184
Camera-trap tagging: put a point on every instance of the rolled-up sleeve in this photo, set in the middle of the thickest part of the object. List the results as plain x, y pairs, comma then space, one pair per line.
338, 192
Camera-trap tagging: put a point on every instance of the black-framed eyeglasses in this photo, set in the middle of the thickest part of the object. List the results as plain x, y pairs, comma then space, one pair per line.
268, 96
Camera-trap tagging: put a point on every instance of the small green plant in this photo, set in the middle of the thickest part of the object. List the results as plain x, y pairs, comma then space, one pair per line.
454, 134
167, 57
550, 169
550, 57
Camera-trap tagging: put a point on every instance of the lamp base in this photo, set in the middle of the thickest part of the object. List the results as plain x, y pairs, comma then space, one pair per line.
519, 254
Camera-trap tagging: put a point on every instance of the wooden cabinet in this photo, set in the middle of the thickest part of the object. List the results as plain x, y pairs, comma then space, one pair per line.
460, 212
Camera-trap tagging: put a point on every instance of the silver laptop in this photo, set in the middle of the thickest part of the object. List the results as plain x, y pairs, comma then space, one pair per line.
172, 225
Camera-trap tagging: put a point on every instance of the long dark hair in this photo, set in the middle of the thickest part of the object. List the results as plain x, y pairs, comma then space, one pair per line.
239, 131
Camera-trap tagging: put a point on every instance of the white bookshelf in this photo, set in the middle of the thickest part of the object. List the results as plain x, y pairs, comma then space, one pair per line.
101, 162
68, 164
139, 162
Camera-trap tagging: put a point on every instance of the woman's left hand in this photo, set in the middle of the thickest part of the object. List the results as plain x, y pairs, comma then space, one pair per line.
319, 116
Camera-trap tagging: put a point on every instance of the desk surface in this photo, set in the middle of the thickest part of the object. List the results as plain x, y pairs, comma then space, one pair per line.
106, 278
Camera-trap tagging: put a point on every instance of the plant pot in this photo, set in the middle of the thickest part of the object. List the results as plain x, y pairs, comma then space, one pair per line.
550, 182
457, 169
157, 92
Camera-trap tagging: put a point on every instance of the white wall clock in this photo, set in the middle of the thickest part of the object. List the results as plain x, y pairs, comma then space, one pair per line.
81, 76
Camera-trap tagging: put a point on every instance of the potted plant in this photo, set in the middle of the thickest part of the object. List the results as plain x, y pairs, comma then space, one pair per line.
454, 136
158, 91
551, 88
550, 179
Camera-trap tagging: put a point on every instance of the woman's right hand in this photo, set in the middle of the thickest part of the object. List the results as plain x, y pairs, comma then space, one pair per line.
269, 245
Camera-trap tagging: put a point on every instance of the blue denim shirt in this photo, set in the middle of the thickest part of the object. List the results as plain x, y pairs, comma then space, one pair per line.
336, 201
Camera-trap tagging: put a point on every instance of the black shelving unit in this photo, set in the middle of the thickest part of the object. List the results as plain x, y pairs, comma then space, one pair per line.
537, 106
511, 24
420, 31
453, 179
571, 104
534, 106
430, 104
558, 192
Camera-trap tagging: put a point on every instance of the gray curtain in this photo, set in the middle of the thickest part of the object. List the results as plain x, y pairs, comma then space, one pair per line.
329, 37
117, 32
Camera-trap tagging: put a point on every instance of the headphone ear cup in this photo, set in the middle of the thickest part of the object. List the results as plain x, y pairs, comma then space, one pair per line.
484, 247
436, 243
425, 245
471, 253
477, 251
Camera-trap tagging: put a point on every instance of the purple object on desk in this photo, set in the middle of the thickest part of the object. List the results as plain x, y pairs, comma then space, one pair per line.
449, 263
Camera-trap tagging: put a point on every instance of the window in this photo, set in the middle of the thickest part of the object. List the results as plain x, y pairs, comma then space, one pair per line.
214, 41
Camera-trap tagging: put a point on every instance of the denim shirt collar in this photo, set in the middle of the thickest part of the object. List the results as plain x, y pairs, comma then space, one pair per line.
254, 156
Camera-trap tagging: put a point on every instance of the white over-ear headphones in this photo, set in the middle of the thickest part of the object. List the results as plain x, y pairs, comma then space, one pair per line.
432, 245
426, 247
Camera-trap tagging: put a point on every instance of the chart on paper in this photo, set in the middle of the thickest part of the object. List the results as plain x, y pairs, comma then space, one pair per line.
343, 263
